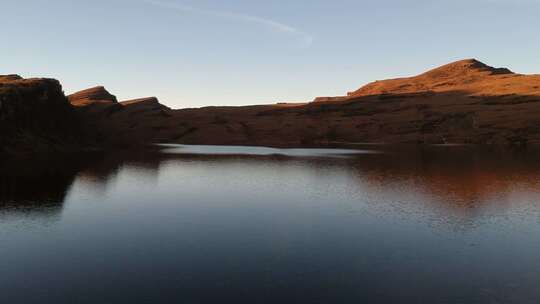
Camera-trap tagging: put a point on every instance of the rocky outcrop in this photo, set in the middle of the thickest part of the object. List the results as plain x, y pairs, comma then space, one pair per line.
119, 124
96, 95
35, 116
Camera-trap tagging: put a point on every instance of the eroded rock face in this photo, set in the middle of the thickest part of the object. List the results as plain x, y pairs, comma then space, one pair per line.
34, 115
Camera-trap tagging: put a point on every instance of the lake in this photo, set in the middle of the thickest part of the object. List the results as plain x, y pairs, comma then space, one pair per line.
202, 224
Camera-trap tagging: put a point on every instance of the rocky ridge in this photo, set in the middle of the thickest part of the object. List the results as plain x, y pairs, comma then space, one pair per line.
465, 102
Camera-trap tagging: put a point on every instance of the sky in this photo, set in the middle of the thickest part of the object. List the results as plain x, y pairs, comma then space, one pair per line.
235, 52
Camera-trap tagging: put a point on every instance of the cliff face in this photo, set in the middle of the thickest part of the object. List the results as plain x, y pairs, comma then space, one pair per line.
35, 116
115, 124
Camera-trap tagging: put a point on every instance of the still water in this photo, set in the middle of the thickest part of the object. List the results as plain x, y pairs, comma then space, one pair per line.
199, 224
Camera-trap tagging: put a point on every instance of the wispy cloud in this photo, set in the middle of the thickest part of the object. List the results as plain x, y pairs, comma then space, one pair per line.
305, 38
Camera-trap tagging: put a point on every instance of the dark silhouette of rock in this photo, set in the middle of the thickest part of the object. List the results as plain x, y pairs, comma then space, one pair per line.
119, 124
35, 116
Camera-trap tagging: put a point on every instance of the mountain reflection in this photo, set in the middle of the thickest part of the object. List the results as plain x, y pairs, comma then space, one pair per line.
462, 183
38, 188
392, 222
455, 184
35, 189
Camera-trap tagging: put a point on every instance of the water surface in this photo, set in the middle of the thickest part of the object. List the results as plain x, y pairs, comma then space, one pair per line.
256, 225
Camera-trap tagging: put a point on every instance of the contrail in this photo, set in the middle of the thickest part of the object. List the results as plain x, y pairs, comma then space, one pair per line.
304, 37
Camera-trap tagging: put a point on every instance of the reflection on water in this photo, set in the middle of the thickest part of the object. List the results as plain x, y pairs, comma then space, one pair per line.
33, 192
260, 151
243, 224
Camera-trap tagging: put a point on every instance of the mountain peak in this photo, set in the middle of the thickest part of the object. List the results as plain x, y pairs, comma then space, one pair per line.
92, 95
465, 67
451, 76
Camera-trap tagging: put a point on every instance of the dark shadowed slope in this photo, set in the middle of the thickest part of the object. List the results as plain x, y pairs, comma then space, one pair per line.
35, 116
115, 123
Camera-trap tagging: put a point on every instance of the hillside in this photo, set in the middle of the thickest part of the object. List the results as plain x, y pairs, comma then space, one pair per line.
462, 102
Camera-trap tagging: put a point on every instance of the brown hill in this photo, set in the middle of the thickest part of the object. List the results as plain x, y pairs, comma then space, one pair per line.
462, 102
467, 75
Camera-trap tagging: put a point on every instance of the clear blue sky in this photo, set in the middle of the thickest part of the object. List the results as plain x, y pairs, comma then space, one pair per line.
193, 53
